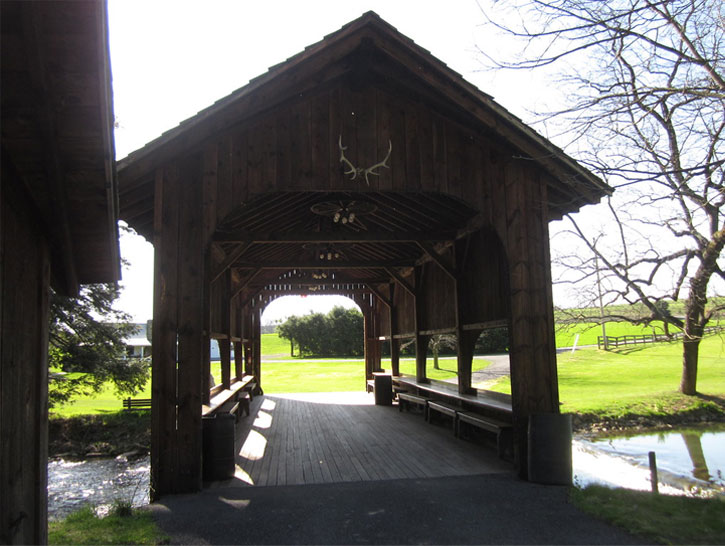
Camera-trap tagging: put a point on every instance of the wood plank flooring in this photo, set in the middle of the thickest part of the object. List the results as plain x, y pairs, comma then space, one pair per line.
344, 437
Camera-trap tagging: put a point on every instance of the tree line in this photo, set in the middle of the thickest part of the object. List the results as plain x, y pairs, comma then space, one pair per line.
338, 333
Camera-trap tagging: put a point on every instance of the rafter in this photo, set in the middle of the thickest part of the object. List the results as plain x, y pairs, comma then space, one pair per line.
333, 237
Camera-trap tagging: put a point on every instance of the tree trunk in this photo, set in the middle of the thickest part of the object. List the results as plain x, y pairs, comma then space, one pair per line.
693, 328
690, 350
435, 359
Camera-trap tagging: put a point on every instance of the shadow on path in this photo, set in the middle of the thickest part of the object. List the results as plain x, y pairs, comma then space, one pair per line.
483, 509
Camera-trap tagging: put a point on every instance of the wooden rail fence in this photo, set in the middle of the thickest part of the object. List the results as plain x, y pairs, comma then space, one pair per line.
609, 342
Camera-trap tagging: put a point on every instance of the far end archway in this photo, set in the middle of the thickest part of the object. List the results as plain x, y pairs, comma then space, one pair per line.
334, 369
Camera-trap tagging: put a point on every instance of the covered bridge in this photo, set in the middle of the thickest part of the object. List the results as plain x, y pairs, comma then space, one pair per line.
362, 166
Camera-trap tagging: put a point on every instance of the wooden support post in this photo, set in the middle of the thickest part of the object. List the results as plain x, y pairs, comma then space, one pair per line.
225, 350
24, 294
421, 341
257, 345
164, 465
534, 386
394, 343
466, 345
395, 356
368, 332
238, 359
180, 341
225, 315
191, 337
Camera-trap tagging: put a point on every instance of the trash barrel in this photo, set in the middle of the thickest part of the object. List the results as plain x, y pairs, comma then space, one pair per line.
549, 450
383, 389
218, 461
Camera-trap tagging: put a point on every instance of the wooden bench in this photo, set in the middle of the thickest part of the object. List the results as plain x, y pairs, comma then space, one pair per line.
405, 400
236, 399
449, 410
502, 430
136, 403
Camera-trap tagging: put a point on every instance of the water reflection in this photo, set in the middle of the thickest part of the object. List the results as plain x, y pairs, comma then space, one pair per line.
689, 461
100, 482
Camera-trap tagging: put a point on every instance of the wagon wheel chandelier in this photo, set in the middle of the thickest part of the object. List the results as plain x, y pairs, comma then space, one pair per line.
345, 213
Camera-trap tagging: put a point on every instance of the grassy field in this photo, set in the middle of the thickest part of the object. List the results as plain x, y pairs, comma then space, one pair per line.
641, 380
610, 383
589, 331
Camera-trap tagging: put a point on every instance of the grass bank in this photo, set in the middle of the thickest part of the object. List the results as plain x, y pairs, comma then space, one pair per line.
638, 386
122, 526
101, 434
660, 518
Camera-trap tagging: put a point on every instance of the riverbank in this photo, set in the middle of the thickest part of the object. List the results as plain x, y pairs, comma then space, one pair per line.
126, 433
668, 412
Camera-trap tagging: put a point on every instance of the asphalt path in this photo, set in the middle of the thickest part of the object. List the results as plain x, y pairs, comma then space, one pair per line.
484, 509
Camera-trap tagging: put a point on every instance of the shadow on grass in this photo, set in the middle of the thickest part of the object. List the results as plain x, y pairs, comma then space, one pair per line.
719, 400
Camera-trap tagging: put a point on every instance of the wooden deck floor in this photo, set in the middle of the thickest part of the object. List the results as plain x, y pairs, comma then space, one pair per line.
344, 437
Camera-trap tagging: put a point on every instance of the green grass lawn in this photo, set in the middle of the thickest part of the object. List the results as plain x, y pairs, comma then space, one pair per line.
119, 527
610, 383
642, 380
662, 519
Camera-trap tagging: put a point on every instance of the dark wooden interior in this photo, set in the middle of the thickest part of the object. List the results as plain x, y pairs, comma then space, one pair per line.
59, 211
450, 234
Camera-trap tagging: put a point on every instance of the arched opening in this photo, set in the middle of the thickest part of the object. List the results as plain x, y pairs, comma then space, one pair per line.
312, 344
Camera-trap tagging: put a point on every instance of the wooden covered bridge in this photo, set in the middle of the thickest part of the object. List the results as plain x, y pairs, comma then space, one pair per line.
364, 167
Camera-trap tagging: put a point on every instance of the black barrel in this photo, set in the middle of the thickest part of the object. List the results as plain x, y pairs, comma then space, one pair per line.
550, 449
218, 447
383, 389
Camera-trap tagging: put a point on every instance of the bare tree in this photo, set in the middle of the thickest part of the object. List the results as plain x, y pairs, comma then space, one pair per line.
646, 110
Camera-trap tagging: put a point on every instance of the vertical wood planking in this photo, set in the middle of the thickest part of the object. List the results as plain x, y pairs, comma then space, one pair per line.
190, 325
164, 464
320, 142
24, 292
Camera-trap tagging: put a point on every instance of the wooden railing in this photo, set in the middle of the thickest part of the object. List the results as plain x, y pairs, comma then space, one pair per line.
609, 342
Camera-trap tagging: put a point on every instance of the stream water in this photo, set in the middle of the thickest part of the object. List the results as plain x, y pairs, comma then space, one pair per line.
690, 462
100, 482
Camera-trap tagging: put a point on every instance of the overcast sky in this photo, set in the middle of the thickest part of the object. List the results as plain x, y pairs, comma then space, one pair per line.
172, 58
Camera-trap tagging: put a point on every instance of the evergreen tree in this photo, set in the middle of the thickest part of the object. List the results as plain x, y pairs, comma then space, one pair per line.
86, 347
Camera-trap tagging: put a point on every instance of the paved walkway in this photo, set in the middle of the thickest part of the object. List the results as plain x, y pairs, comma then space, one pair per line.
370, 475
483, 509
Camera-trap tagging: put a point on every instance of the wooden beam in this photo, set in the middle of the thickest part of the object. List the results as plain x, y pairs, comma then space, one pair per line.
232, 257
315, 264
437, 258
334, 237
437, 332
245, 283
401, 281
501, 323
379, 295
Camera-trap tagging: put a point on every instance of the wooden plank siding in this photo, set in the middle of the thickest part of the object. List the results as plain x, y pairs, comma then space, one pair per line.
24, 294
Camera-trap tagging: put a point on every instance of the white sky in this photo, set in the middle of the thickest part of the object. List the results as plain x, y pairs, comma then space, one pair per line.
172, 58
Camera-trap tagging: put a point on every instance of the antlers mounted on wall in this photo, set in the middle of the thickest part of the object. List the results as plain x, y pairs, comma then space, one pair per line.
355, 172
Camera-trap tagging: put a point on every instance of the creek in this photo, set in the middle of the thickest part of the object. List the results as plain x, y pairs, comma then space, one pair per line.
690, 462
100, 482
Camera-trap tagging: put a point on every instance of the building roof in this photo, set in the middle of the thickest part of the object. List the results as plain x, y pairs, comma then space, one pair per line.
572, 185
57, 132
